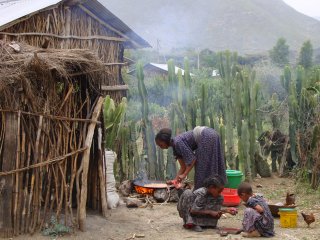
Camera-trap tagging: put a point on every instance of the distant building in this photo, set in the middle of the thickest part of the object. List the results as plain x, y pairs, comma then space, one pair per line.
157, 69
215, 73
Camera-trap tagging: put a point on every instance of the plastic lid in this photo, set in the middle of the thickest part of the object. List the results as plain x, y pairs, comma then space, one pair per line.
287, 210
233, 172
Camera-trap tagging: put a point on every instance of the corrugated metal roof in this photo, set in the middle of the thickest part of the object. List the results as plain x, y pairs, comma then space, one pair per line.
12, 10
161, 66
165, 67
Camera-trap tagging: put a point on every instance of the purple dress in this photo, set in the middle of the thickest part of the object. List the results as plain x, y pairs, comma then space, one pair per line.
207, 153
252, 220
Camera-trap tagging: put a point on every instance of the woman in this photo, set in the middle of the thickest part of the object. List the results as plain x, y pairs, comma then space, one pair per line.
202, 208
200, 148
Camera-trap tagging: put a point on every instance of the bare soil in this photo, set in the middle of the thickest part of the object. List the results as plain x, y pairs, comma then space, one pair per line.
163, 222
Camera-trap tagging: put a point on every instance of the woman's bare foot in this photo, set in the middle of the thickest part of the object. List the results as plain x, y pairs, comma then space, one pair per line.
252, 234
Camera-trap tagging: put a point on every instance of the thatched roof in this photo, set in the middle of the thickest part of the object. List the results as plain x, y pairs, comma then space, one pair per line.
37, 73
14, 11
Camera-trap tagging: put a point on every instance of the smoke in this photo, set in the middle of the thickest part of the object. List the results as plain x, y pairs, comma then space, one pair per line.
246, 26
172, 21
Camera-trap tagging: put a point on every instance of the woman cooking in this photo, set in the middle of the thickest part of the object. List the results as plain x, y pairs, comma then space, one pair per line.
200, 148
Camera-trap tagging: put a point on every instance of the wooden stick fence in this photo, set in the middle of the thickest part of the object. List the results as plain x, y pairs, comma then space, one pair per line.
49, 155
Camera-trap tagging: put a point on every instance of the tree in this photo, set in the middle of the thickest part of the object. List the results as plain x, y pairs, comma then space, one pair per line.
306, 55
279, 54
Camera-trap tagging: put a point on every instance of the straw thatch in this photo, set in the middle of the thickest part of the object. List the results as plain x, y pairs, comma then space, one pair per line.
49, 109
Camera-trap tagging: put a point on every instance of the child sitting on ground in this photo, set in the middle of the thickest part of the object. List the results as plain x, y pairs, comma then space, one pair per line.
257, 220
202, 208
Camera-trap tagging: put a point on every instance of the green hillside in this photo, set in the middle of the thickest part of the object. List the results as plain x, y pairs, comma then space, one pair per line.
243, 25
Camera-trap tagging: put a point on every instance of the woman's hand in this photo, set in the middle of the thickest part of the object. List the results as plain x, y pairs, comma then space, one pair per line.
170, 182
181, 177
216, 214
174, 182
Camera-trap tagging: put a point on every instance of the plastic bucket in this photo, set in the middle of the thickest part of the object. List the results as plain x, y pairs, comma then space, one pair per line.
234, 178
230, 197
288, 217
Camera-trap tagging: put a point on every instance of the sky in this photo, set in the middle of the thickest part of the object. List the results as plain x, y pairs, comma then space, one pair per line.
308, 7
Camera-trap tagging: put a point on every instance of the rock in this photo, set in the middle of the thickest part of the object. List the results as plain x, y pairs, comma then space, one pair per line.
161, 195
259, 186
133, 202
139, 235
125, 188
263, 168
174, 197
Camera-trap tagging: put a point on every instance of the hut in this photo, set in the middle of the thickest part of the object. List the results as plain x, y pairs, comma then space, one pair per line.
72, 24
57, 61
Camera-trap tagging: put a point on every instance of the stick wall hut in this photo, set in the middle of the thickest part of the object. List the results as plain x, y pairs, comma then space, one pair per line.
73, 24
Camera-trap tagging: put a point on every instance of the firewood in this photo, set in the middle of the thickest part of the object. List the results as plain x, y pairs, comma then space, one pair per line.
133, 202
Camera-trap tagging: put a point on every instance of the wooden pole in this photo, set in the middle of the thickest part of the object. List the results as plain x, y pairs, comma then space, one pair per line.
115, 88
92, 37
16, 192
85, 165
104, 205
8, 163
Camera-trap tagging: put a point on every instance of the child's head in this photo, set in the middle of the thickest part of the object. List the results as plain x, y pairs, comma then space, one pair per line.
245, 191
214, 185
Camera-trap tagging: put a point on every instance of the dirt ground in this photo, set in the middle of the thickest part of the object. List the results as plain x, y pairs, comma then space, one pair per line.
163, 222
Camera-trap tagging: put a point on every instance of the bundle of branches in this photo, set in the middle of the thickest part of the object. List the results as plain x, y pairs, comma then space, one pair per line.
49, 107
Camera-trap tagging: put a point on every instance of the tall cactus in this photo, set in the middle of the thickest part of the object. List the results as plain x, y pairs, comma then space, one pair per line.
171, 168
204, 105
161, 165
226, 62
253, 120
222, 133
290, 86
244, 150
149, 147
134, 147
190, 106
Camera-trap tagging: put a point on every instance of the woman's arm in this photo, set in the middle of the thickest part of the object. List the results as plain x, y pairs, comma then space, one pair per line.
214, 214
182, 168
185, 173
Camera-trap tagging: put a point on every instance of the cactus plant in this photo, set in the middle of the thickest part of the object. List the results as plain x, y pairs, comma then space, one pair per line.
203, 105
226, 63
149, 145
244, 152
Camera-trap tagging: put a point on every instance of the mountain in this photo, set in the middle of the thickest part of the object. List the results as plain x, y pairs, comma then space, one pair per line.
247, 26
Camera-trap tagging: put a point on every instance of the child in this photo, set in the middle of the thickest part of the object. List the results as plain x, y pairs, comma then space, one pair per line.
257, 220
202, 208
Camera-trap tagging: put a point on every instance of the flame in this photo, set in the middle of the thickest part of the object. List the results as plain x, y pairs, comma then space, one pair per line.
143, 190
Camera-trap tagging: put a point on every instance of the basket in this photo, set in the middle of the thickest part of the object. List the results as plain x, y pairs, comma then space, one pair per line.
288, 217
230, 197
234, 178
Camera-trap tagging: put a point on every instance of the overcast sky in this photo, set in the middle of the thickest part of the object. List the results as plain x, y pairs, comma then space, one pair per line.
308, 7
